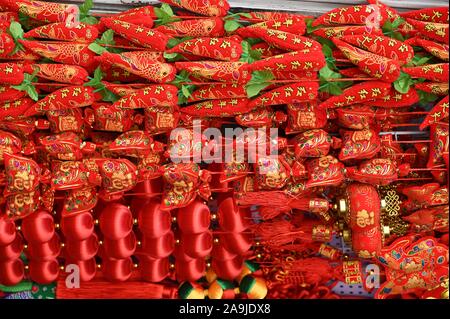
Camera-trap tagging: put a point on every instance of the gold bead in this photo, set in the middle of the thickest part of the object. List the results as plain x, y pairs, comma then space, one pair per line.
177, 241
216, 240
96, 222
99, 266
61, 267
259, 256
54, 212
62, 244
25, 246
18, 228
172, 266
27, 267
174, 219
100, 242
208, 265
213, 217
57, 226
136, 265
258, 243
139, 243
135, 221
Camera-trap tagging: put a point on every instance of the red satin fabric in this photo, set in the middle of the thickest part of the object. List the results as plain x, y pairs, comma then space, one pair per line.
38, 227
159, 247
232, 218
12, 250
197, 245
152, 221
180, 254
237, 243
7, 230
194, 218
78, 227
117, 269
44, 272
116, 221
228, 269
220, 253
154, 270
11, 272
83, 249
44, 251
190, 271
121, 248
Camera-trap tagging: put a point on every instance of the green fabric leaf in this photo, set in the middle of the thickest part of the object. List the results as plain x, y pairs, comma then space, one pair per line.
232, 25
108, 96
419, 60
96, 81
326, 42
328, 53
32, 93
259, 81
254, 89
170, 55
166, 9
334, 88
426, 97
403, 83
89, 20
387, 26
389, 29
107, 38
309, 27
249, 55
397, 22
173, 57
86, 6
27, 85
173, 42
165, 15
326, 73
398, 36
16, 31
84, 10
186, 91
253, 41
24, 20
94, 47
261, 76
245, 14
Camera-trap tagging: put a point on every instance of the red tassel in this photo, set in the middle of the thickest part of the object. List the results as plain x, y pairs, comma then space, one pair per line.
101, 289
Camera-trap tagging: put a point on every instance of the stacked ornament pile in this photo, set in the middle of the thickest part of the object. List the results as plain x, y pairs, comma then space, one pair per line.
107, 164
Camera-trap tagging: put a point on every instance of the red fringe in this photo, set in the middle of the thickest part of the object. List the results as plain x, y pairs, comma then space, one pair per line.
102, 289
